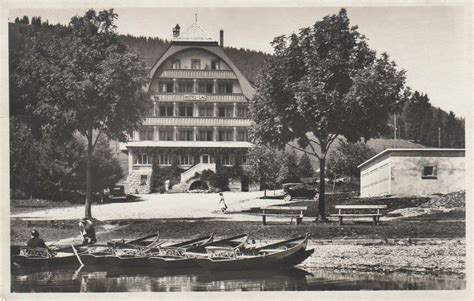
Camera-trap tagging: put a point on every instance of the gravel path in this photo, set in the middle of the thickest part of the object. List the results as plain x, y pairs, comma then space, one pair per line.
179, 205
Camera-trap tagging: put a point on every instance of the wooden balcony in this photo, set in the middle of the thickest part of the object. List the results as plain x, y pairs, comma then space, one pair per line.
235, 97
199, 74
197, 121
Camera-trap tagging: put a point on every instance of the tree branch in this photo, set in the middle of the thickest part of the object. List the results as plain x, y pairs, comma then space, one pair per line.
96, 138
330, 141
305, 151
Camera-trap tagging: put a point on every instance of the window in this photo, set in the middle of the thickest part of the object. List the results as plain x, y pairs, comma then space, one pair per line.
242, 111
186, 160
165, 134
225, 135
205, 135
429, 172
166, 87
242, 135
146, 133
224, 88
176, 64
226, 160
215, 65
143, 179
185, 86
206, 111
204, 86
165, 110
186, 110
164, 159
225, 111
185, 135
195, 64
142, 159
243, 159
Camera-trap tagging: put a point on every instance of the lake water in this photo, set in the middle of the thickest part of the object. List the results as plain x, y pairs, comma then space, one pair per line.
103, 279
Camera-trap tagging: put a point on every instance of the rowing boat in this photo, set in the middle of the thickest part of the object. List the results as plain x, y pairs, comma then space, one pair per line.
184, 255
43, 257
282, 254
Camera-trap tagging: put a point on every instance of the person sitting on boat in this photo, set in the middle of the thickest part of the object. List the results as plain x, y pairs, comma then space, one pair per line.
35, 241
222, 203
86, 227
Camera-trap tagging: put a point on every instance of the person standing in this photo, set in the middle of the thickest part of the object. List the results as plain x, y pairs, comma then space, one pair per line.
222, 203
35, 241
86, 227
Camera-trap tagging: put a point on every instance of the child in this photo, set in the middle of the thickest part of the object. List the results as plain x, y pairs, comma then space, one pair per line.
222, 203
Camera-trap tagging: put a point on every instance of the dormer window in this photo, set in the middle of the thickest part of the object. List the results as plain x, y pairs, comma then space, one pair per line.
176, 64
196, 64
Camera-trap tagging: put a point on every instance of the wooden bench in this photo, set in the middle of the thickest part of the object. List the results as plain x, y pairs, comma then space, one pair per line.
360, 211
296, 212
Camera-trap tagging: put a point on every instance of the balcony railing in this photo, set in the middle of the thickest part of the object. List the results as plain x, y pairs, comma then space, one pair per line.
235, 97
203, 74
197, 121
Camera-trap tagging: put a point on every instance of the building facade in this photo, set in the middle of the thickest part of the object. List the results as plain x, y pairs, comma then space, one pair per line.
199, 120
410, 171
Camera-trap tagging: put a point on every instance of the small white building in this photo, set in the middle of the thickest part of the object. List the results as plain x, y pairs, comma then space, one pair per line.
413, 171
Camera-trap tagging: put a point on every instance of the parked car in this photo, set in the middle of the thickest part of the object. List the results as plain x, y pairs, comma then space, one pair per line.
116, 193
299, 190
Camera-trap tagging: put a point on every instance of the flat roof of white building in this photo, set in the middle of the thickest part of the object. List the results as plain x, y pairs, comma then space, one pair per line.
420, 151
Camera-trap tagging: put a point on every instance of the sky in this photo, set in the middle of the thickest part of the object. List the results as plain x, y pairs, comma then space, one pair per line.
432, 43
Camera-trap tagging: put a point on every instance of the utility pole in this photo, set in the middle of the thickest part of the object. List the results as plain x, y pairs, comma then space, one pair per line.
394, 131
439, 137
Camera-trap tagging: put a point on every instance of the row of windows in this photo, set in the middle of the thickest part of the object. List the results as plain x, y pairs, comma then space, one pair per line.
196, 64
202, 86
187, 110
188, 159
187, 134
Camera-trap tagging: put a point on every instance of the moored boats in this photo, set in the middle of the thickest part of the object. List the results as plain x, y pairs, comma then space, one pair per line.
278, 255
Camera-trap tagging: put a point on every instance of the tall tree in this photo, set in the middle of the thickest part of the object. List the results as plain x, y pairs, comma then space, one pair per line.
87, 82
323, 83
417, 108
265, 164
305, 168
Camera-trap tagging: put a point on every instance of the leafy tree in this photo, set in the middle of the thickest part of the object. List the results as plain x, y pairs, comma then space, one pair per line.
265, 164
417, 109
305, 168
289, 168
85, 81
323, 83
25, 20
343, 161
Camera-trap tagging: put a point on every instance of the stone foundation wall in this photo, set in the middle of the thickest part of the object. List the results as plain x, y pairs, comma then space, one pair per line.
134, 182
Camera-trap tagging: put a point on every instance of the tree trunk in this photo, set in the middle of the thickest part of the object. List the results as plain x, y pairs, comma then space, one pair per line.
88, 212
322, 188
265, 192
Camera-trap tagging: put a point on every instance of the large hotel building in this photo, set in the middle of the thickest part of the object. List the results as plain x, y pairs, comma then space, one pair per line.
199, 119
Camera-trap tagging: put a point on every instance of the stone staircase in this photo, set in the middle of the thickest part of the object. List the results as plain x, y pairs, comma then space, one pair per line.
198, 168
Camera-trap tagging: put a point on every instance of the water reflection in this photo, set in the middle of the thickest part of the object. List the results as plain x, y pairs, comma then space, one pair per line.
103, 279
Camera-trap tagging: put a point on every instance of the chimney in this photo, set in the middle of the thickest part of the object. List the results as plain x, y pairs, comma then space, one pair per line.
176, 31
221, 44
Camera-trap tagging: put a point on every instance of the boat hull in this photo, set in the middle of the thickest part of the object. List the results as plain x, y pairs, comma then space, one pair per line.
276, 260
52, 261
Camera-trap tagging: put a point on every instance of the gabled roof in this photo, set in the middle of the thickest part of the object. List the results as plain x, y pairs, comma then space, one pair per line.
194, 33
245, 85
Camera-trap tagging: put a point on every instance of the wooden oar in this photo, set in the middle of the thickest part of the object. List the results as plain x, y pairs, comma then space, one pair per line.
77, 255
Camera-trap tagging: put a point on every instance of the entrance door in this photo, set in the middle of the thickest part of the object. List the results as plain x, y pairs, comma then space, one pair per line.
244, 182
205, 159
